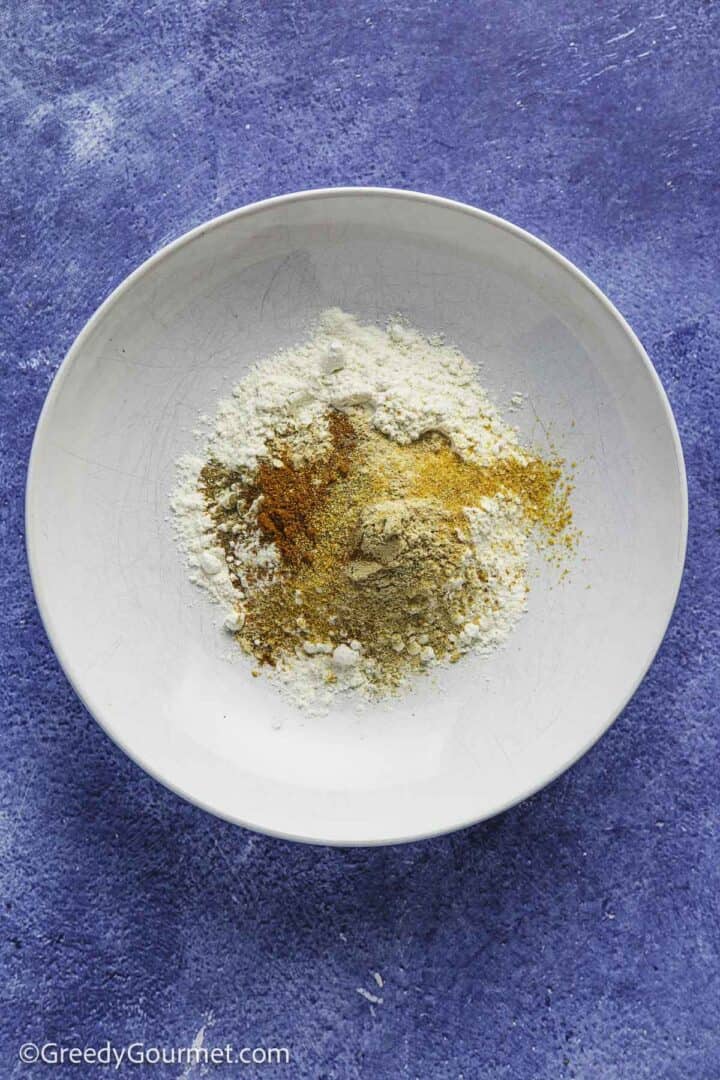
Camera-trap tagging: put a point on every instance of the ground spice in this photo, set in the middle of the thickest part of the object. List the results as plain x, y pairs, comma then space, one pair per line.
221, 489
293, 494
373, 540
537, 482
289, 493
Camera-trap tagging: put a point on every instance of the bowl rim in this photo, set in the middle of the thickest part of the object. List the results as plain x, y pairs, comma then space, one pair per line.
74, 675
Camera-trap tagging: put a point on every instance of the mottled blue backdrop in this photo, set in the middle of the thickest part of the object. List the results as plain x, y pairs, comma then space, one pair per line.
578, 934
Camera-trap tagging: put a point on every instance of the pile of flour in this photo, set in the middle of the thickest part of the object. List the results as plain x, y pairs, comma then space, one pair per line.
409, 385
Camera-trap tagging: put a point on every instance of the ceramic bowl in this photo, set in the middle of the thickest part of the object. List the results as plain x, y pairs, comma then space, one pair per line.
145, 649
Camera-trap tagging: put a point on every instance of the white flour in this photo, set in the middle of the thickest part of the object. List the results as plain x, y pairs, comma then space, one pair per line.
409, 385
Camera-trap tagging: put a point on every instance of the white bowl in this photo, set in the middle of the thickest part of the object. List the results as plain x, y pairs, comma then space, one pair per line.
144, 649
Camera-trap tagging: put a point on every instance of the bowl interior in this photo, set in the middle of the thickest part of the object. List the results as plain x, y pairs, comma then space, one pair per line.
146, 650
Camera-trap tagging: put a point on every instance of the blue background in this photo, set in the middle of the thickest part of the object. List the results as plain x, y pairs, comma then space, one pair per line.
576, 935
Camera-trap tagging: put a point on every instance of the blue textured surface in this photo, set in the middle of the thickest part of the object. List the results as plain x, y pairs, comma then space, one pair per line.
578, 934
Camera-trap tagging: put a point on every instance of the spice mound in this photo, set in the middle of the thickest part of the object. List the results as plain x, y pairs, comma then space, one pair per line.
363, 513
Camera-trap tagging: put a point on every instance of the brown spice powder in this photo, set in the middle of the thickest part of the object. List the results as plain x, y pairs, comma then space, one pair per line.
290, 494
293, 494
